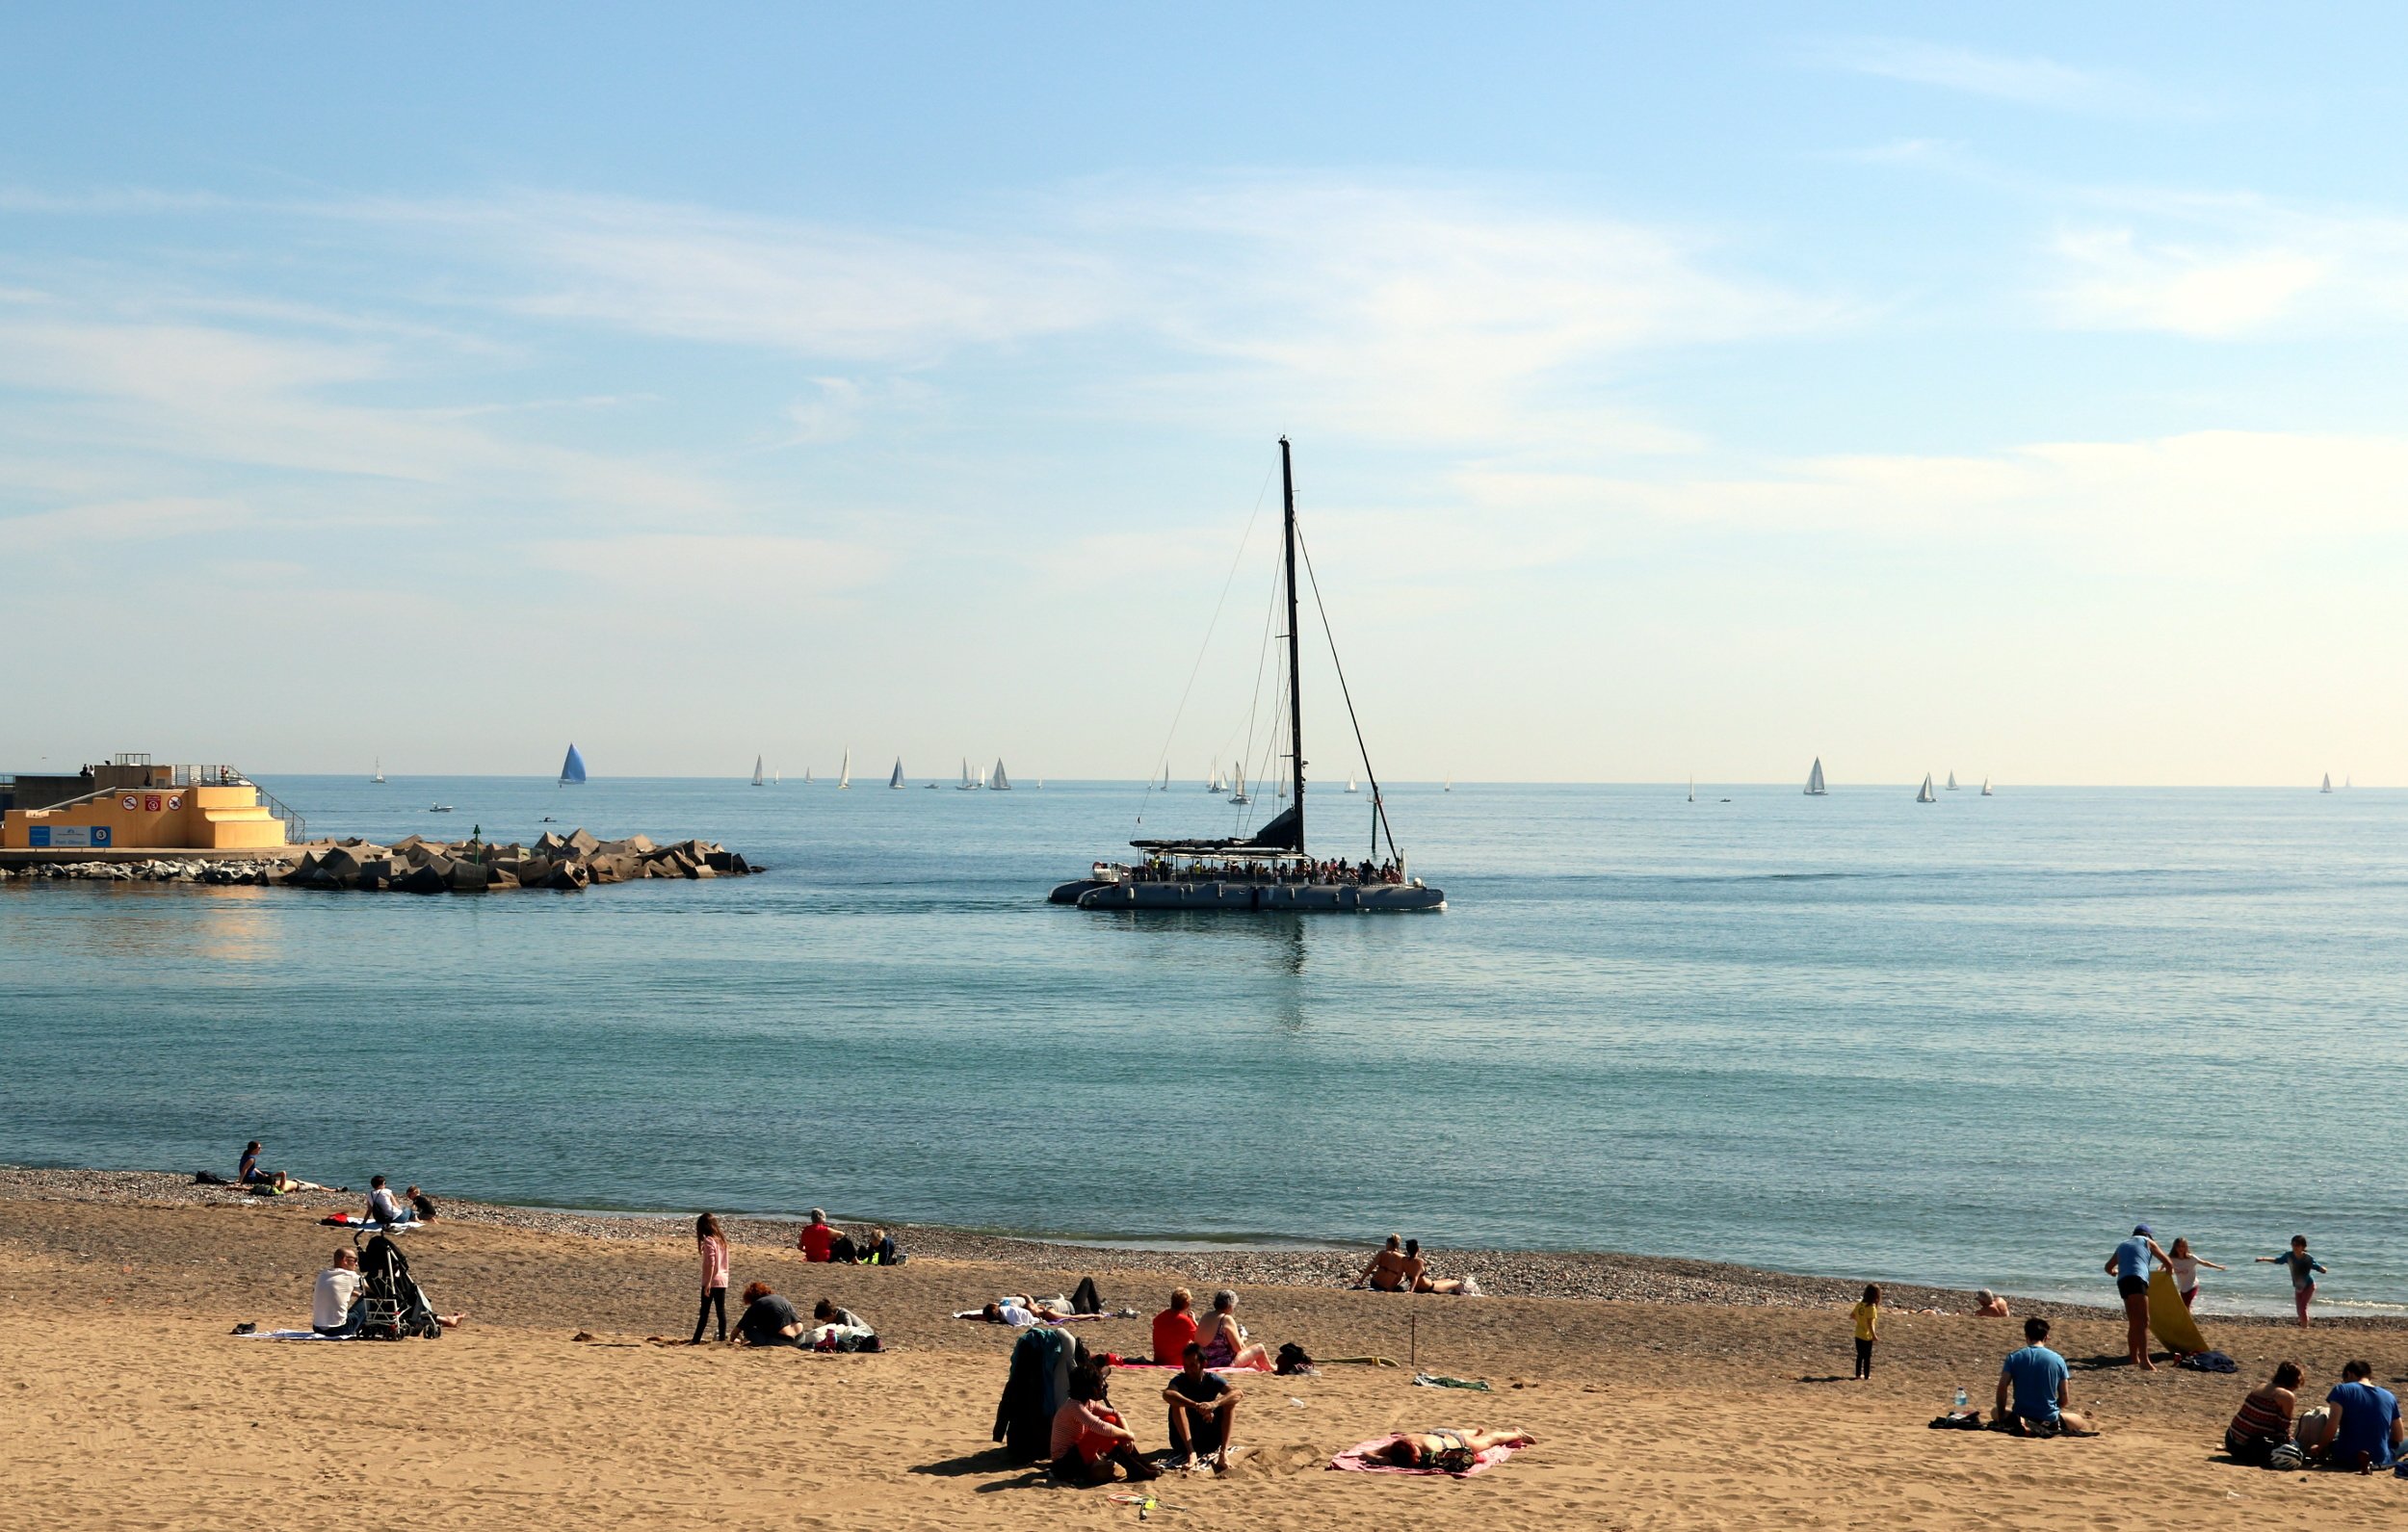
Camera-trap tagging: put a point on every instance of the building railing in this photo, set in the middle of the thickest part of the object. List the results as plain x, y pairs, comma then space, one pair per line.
295, 827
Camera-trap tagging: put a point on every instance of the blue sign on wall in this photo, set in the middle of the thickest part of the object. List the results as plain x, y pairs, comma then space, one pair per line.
54, 837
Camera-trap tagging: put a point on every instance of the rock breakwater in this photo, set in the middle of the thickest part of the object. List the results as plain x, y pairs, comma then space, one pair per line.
416, 864
164, 870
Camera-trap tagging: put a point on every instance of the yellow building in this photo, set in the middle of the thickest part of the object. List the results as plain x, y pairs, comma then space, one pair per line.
152, 809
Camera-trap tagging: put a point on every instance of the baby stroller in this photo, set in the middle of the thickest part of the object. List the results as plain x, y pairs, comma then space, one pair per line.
396, 1307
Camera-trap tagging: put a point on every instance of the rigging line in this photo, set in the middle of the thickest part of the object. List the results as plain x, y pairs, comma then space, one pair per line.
1254, 706
1379, 805
1204, 648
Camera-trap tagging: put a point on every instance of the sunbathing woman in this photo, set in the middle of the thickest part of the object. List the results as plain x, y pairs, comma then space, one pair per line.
1417, 1273
1447, 1451
1223, 1338
1386, 1272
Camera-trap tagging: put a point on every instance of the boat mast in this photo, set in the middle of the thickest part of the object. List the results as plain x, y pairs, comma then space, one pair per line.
1295, 667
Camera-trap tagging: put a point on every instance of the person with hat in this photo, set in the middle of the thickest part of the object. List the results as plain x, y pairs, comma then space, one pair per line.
2129, 1267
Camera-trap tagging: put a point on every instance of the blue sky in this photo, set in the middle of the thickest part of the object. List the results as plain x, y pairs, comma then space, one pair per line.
1674, 394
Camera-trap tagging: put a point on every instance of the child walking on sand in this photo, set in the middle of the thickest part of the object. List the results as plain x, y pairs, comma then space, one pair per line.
1868, 1318
2303, 1269
712, 1246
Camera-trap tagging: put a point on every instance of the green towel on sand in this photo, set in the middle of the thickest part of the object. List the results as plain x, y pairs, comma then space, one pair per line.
1432, 1380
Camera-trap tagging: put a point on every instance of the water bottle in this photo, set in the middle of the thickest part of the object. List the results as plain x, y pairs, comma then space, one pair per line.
1961, 1400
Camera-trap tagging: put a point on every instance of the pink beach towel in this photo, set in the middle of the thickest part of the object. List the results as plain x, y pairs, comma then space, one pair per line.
1357, 1458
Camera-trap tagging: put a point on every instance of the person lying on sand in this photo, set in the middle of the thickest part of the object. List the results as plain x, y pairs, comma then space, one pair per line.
1386, 1272
1203, 1409
1448, 1450
1223, 1338
768, 1320
1011, 1312
2038, 1376
1418, 1279
1090, 1438
1988, 1304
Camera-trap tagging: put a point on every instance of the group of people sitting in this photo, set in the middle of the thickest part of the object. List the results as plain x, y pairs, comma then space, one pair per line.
1274, 869
1091, 1439
1218, 1338
1401, 1267
2360, 1429
822, 1243
768, 1319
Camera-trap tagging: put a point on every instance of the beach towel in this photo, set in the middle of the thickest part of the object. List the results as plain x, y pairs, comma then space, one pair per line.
2208, 1362
1436, 1379
367, 1226
1358, 1459
294, 1334
1042, 1320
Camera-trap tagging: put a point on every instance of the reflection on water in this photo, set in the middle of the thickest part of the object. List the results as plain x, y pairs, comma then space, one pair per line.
115, 923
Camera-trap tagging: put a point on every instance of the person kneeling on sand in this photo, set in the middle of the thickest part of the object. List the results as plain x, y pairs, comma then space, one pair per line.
2365, 1429
2263, 1420
1386, 1272
1449, 1451
1988, 1304
335, 1310
1203, 1407
1088, 1436
768, 1320
2038, 1377
1223, 1338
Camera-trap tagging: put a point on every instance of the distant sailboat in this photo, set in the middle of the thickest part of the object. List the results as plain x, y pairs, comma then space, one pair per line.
777, 777
1693, 790
1927, 795
572, 769
896, 780
844, 772
1238, 792
1351, 786
2328, 782
1217, 785
969, 783
379, 779
1449, 787
1952, 782
999, 782
1985, 787
756, 772
1814, 781
806, 776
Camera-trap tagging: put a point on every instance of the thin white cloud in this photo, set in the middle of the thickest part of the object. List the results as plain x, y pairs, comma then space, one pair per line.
149, 521
697, 575
2026, 79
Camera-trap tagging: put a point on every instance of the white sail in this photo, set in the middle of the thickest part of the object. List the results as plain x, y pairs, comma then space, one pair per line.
1693, 790
844, 772
1985, 787
1351, 786
756, 771
1237, 793
1449, 787
1814, 781
378, 778
998, 781
1927, 795
896, 780
777, 777
806, 776
1952, 782
2328, 782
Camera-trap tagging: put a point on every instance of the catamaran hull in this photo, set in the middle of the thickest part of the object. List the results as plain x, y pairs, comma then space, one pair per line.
1248, 897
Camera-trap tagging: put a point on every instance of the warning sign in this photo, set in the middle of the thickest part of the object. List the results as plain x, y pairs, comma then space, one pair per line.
150, 803
131, 803
175, 802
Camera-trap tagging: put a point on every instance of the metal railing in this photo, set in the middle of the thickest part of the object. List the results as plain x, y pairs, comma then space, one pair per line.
295, 827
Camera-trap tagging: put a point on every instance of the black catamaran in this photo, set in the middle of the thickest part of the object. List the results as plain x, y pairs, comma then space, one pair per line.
1269, 868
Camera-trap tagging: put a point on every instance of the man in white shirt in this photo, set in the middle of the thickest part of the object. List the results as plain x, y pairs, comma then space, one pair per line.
336, 1311
384, 1208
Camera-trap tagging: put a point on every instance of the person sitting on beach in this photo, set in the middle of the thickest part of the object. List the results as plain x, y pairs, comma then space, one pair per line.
1446, 1450
1386, 1272
827, 1313
1223, 1338
384, 1208
2038, 1376
817, 1239
2303, 1269
768, 1320
1203, 1407
1174, 1329
335, 1310
1416, 1275
2263, 1420
246, 1172
1090, 1438
421, 1206
2363, 1431
2129, 1265
1988, 1304
880, 1250
2186, 1268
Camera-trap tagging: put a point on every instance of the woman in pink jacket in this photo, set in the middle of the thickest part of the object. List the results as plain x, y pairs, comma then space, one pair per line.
712, 1246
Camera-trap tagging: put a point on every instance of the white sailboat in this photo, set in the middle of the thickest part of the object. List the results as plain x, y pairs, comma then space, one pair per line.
379, 779
897, 780
776, 778
999, 782
1985, 787
1952, 782
1238, 792
969, 784
806, 776
2328, 782
1927, 795
1815, 787
756, 772
844, 772
1449, 787
1351, 786
1693, 790
1218, 784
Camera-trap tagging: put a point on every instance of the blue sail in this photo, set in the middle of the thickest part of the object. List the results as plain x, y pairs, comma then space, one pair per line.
572, 769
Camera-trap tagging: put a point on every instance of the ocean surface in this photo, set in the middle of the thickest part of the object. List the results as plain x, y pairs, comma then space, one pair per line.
1965, 1043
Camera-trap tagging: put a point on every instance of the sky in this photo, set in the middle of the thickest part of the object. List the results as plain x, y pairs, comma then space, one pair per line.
1675, 391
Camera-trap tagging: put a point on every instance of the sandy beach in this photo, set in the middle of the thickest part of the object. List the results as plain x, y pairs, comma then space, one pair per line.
118, 1295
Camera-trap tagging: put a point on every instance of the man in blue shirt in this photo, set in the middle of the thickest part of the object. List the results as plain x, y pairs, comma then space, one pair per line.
2367, 1431
2129, 1267
2037, 1377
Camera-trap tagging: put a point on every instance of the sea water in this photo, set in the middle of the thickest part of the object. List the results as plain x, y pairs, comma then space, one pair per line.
1972, 1042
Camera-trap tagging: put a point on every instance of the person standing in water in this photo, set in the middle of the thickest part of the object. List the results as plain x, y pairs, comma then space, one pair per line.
2303, 1269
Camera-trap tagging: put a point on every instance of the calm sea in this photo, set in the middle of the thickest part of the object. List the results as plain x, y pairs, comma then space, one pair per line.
1967, 1043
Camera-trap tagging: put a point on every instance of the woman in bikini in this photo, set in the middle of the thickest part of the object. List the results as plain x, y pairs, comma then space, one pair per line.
1447, 1451
1223, 1338
1386, 1272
